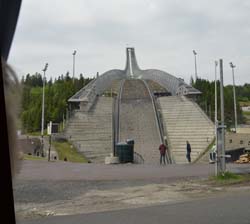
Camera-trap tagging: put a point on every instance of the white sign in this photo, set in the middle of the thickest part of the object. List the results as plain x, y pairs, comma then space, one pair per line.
49, 128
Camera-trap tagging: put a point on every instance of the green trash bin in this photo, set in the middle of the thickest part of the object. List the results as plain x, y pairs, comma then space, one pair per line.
125, 152
130, 141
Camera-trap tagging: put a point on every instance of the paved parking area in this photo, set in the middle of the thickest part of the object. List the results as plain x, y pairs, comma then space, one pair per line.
59, 170
45, 188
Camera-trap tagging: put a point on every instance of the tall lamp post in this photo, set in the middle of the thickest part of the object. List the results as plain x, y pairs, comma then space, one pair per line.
235, 109
42, 123
195, 64
74, 54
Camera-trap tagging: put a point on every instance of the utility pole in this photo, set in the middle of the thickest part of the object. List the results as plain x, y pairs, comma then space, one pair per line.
221, 163
215, 110
215, 96
235, 109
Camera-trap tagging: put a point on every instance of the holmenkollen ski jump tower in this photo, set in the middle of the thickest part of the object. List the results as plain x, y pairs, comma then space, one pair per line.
149, 106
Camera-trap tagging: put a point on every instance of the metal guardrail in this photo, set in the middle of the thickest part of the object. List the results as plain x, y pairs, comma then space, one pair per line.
116, 125
113, 124
83, 92
158, 121
116, 117
119, 98
138, 158
98, 85
155, 112
201, 110
164, 131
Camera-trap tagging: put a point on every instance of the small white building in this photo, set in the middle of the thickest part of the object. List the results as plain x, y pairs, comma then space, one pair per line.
246, 108
243, 129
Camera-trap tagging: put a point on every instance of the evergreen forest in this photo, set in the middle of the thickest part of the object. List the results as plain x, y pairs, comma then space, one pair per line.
57, 92
207, 100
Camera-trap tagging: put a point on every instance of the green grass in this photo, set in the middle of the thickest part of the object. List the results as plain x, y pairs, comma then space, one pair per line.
229, 178
35, 133
30, 157
246, 113
64, 149
244, 103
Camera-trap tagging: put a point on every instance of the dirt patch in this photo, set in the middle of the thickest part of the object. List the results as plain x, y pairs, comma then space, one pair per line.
97, 200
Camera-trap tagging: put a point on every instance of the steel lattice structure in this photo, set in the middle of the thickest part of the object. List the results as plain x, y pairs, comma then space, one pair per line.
175, 86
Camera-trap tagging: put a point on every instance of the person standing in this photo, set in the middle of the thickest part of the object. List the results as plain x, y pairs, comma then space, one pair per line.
188, 152
162, 149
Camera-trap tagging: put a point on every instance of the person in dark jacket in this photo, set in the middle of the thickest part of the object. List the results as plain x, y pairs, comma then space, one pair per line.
188, 152
162, 149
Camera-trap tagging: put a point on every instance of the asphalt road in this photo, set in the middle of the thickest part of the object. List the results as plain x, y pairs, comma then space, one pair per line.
43, 170
71, 188
229, 209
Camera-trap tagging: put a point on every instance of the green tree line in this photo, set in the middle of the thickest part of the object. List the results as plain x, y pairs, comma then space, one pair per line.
57, 92
207, 99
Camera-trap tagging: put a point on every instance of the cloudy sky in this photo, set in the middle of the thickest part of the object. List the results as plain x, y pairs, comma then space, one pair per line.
163, 33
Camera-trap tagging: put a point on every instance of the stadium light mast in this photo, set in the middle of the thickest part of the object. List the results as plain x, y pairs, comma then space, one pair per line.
74, 54
42, 122
195, 64
235, 109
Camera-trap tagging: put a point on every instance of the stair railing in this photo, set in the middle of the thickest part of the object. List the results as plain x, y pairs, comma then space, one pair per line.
159, 122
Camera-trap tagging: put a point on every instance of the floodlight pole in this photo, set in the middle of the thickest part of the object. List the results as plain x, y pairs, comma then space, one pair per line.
42, 122
235, 109
74, 54
195, 64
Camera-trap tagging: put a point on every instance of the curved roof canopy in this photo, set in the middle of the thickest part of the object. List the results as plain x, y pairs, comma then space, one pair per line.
174, 85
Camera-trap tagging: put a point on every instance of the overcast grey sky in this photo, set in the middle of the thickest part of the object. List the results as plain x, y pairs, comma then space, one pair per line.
163, 33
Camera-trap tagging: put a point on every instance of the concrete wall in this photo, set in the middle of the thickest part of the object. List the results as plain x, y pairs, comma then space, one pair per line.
237, 140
